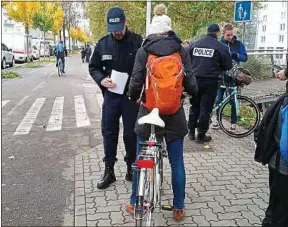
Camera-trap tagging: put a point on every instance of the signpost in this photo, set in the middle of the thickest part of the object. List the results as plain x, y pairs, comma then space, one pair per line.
148, 14
243, 11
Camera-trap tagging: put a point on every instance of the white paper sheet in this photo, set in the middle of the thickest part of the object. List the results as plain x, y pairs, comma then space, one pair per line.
120, 79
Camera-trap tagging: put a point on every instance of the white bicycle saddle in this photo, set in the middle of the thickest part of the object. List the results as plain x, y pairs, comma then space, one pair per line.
152, 119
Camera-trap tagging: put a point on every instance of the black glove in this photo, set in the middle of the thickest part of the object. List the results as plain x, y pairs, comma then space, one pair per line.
235, 56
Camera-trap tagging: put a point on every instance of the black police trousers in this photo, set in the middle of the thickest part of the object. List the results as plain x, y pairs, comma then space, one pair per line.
115, 106
202, 105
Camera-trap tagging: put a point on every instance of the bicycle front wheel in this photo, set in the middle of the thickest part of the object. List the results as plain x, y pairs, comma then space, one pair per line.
239, 118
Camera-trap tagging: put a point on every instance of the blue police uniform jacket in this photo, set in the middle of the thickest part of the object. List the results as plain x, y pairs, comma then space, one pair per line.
111, 53
236, 46
209, 57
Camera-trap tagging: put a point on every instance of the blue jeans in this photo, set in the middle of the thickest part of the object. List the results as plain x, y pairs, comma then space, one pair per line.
219, 99
175, 155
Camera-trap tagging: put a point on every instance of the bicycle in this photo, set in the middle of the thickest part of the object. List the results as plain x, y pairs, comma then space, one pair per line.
149, 169
60, 67
247, 112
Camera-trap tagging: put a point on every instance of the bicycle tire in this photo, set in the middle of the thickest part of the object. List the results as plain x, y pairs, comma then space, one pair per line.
161, 192
60, 67
140, 202
251, 130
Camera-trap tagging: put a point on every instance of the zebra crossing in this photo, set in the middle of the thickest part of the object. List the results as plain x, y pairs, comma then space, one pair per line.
5, 102
55, 123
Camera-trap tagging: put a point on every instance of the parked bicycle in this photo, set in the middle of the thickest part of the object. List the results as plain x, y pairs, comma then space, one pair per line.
149, 168
247, 113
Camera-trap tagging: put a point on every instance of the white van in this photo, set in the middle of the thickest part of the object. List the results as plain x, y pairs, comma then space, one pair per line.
17, 43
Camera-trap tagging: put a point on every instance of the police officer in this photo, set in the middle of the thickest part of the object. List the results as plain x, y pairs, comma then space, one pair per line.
210, 58
115, 54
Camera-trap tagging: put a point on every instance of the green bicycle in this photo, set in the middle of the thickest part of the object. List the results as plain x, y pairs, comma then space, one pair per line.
247, 113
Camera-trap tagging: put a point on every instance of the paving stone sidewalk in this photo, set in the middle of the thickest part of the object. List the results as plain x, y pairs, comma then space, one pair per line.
224, 186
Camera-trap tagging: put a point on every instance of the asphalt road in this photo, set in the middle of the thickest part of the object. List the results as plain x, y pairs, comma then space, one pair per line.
46, 121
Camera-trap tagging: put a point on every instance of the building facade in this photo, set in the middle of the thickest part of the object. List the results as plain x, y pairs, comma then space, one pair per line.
272, 26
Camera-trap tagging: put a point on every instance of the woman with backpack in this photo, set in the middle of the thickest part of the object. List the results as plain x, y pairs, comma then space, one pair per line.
163, 42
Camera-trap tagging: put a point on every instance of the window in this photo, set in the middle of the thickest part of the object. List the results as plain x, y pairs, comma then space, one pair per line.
270, 48
264, 28
283, 15
265, 18
282, 27
263, 39
284, 4
281, 38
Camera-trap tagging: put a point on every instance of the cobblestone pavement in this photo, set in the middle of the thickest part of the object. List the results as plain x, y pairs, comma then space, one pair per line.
224, 186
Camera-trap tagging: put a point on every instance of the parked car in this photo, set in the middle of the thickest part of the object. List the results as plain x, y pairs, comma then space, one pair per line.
7, 57
18, 43
35, 53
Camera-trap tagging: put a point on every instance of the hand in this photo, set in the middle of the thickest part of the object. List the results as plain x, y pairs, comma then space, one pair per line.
108, 83
281, 75
235, 56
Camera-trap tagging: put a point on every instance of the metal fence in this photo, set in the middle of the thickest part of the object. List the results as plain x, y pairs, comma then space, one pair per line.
263, 64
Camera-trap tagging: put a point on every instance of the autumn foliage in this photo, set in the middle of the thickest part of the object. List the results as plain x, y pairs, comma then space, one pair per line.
78, 34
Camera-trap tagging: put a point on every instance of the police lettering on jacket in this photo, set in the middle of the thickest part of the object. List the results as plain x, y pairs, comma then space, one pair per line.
209, 57
114, 54
203, 52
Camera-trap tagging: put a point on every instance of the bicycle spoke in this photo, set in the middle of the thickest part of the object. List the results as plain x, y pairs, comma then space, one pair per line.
239, 120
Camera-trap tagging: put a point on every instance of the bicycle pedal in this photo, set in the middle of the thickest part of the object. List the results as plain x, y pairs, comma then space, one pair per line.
167, 207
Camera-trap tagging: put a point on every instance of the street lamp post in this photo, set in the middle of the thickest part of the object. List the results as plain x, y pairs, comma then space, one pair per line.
148, 14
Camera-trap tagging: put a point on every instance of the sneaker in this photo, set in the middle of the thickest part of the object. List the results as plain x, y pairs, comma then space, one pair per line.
203, 139
215, 125
130, 209
233, 127
178, 215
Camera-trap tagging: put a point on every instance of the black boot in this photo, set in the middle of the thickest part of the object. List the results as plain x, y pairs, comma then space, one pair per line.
203, 139
107, 179
129, 173
191, 135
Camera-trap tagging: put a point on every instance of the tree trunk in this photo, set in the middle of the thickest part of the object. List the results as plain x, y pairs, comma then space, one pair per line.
27, 42
60, 36
44, 45
55, 40
69, 37
64, 37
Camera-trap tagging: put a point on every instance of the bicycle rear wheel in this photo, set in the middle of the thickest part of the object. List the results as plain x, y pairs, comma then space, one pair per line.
60, 67
144, 200
247, 118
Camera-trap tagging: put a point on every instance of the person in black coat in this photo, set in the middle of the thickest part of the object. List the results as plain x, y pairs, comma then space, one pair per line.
209, 59
88, 53
83, 53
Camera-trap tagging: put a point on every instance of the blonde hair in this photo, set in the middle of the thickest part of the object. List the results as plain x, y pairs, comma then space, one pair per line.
160, 10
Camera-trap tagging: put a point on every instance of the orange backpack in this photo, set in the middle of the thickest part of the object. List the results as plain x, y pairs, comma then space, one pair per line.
164, 83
